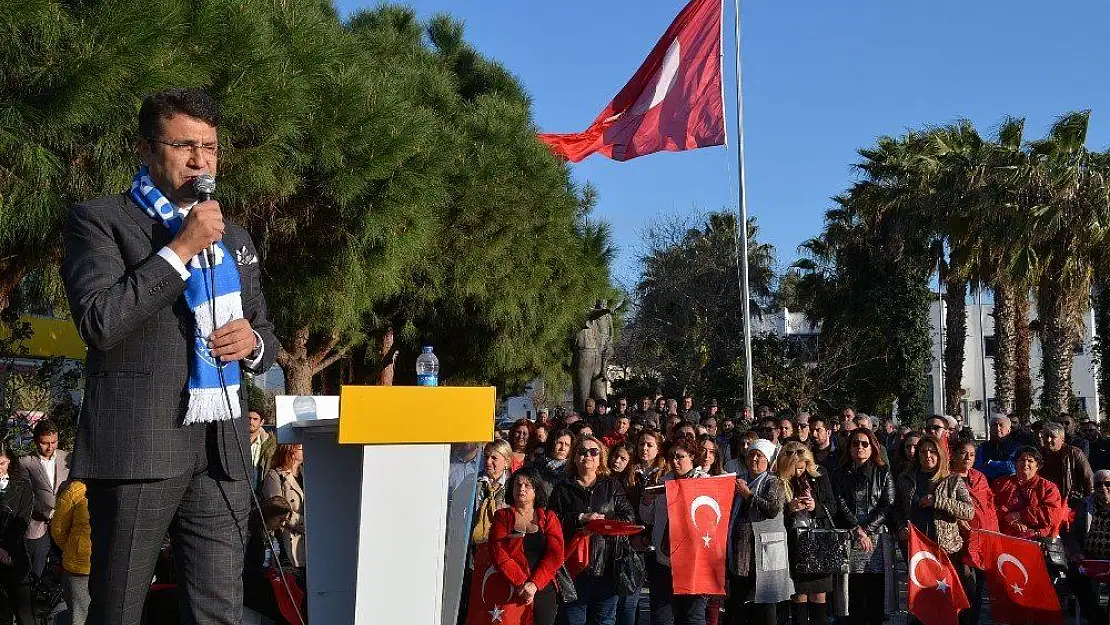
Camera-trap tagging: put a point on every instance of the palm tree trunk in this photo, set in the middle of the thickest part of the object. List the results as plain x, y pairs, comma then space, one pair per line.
1058, 310
1005, 347
1101, 300
1023, 380
955, 336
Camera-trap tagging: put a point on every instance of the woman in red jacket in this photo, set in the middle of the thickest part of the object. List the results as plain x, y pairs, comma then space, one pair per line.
1029, 506
526, 542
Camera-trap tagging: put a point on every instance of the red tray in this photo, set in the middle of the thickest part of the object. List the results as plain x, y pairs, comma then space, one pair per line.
606, 527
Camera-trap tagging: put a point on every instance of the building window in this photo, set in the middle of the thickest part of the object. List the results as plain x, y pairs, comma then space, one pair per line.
990, 345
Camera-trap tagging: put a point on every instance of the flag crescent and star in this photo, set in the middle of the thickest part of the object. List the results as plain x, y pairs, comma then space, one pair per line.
673, 102
935, 595
705, 500
1024, 596
698, 549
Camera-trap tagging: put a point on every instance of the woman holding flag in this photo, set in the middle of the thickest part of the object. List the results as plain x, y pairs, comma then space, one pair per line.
668, 608
758, 558
809, 500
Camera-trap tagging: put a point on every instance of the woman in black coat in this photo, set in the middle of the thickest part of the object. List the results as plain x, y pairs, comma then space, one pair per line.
591, 493
16, 499
810, 503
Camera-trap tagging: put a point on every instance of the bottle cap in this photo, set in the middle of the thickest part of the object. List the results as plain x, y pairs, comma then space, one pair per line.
427, 349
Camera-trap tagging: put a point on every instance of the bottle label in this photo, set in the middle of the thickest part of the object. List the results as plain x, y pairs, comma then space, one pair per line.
427, 379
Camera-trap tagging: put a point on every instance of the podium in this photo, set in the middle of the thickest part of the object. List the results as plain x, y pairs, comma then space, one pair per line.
376, 479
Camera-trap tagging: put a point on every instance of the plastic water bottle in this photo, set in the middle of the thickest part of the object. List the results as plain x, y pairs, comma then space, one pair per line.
427, 368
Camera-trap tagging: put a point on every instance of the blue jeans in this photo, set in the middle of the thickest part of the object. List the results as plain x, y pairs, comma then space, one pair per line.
596, 604
628, 608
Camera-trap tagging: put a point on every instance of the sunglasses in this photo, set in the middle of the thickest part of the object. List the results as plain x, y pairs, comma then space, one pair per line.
1103, 485
861, 444
592, 452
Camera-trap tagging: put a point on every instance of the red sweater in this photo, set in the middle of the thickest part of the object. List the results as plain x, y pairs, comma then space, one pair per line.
508, 551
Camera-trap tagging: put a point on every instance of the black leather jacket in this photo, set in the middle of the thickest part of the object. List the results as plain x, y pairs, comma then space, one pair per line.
864, 496
570, 500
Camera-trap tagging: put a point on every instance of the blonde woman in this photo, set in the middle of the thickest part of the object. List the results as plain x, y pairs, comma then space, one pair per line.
809, 504
932, 498
489, 496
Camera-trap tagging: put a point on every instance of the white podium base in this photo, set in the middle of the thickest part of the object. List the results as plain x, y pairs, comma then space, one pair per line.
369, 513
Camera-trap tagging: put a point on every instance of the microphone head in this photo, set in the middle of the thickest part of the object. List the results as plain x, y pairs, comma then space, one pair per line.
205, 186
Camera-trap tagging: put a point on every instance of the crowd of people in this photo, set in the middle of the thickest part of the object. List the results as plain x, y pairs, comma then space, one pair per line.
544, 480
45, 534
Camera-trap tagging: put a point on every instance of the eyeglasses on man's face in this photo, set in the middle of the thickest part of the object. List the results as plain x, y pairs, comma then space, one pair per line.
188, 147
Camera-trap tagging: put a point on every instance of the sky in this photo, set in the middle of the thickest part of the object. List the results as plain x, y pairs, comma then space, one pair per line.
820, 80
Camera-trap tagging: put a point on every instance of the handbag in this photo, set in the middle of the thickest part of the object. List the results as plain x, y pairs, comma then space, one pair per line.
1054, 556
822, 551
629, 567
564, 586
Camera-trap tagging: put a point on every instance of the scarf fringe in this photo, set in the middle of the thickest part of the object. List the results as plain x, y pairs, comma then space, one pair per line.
207, 405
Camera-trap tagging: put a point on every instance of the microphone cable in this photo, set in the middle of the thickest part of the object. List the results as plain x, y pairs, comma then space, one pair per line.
271, 542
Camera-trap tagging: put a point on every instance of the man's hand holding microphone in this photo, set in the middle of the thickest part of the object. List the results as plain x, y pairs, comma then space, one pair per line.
202, 228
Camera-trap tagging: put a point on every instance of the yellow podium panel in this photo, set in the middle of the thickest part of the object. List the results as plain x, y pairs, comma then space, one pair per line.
393, 415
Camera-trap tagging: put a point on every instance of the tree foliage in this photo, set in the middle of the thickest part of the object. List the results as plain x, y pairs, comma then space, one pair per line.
388, 171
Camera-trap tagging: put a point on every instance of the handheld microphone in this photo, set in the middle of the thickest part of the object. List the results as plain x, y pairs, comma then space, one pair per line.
204, 186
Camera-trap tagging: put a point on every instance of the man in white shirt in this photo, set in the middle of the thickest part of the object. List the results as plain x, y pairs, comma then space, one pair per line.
47, 468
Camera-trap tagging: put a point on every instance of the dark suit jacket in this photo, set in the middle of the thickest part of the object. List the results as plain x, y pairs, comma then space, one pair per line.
128, 306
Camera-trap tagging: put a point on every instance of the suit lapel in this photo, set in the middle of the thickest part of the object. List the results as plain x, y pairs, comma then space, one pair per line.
154, 230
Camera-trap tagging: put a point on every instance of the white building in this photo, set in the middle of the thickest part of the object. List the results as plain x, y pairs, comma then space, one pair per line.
978, 373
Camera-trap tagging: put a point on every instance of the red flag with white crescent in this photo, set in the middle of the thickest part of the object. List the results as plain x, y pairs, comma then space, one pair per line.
673, 102
698, 513
935, 593
493, 600
1021, 589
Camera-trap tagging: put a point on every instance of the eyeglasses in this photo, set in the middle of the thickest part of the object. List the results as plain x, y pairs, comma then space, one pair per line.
1103, 485
861, 444
802, 426
182, 147
592, 452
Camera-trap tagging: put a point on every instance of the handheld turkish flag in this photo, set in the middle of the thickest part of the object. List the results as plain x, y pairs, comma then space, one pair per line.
493, 600
698, 513
1021, 590
936, 595
673, 102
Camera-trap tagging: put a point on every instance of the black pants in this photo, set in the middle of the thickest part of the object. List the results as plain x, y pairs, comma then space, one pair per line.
865, 599
1086, 596
740, 612
15, 598
545, 606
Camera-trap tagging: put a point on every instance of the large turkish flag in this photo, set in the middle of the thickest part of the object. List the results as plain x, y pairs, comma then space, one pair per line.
936, 595
1021, 590
493, 599
698, 513
673, 102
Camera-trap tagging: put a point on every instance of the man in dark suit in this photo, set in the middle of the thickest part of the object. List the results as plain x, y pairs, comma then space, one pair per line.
125, 274
47, 468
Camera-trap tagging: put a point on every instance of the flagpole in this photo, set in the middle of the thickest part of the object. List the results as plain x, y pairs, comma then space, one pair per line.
749, 387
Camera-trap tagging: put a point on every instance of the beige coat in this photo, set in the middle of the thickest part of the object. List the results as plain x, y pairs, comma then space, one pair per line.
45, 492
280, 483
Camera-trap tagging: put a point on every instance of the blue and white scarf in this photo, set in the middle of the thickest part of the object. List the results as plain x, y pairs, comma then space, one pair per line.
206, 398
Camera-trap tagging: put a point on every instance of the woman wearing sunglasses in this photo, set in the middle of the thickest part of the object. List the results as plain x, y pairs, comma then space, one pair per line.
864, 490
666, 607
809, 504
591, 493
